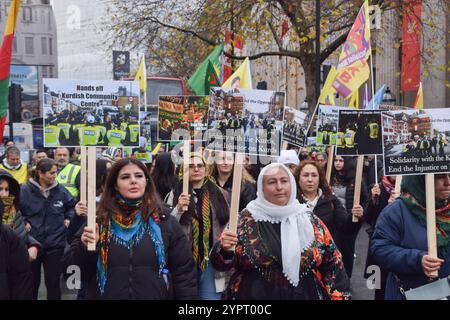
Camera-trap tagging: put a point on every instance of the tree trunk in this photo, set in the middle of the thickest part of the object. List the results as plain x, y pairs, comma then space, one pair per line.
310, 83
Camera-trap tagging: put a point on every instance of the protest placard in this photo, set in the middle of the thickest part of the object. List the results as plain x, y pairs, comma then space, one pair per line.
295, 123
91, 113
327, 125
245, 121
182, 112
416, 141
359, 132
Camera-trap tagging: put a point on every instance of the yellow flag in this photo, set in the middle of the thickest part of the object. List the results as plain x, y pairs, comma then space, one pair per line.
141, 75
241, 78
328, 91
418, 104
354, 100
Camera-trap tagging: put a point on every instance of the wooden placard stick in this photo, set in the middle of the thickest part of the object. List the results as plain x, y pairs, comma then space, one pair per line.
398, 184
236, 191
329, 163
92, 205
83, 175
431, 217
186, 152
358, 181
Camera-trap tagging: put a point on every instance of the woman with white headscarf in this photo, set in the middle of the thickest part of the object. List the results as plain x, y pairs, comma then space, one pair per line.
282, 250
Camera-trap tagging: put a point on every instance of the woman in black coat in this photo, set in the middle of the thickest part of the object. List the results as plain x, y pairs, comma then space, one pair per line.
15, 273
342, 183
222, 171
12, 217
163, 174
141, 251
313, 190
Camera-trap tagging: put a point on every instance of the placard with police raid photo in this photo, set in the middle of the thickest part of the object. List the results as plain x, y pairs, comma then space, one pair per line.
359, 133
91, 113
245, 121
295, 124
416, 141
327, 124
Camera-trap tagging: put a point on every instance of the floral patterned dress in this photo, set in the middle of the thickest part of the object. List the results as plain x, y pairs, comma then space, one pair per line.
257, 265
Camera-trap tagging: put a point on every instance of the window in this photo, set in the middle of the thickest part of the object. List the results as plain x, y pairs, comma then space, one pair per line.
14, 46
50, 72
44, 45
27, 14
29, 45
50, 46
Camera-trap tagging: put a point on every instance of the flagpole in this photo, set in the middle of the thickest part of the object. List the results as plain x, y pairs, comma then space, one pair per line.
373, 96
312, 118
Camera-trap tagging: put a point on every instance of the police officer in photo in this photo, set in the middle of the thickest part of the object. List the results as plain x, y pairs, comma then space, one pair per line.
115, 136
350, 139
88, 135
373, 136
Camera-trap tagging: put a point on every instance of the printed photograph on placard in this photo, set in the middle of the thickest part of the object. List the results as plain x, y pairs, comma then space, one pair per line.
245, 121
359, 133
91, 113
327, 124
182, 112
295, 124
416, 141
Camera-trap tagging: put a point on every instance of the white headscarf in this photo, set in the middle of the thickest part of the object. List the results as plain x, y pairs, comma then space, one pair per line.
296, 232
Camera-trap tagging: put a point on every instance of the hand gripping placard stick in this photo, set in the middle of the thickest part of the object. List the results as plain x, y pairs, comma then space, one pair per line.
92, 205
431, 217
236, 191
358, 181
329, 163
186, 149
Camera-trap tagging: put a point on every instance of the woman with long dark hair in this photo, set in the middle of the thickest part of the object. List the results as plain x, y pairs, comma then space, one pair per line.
342, 183
163, 174
141, 251
203, 222
47, 208
313, 190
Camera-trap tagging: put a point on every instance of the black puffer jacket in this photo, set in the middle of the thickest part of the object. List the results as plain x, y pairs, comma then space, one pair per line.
15, 271
19, 221
330, 210
133, 274
248, 192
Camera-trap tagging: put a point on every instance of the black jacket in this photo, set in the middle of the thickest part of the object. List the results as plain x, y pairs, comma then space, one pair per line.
330, 210
248, 192
133, 274
46, 215
351, 227
19, 221
15, 270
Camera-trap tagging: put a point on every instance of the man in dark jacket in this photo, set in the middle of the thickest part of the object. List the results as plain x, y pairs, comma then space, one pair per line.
15, 272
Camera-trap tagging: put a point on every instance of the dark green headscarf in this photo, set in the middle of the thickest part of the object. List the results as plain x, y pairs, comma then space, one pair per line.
414, 197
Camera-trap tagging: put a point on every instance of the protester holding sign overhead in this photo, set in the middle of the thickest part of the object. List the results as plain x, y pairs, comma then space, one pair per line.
141, 251
203, 222
399, 242
283, 251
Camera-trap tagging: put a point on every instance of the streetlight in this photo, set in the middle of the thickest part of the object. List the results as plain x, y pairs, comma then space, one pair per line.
389, 97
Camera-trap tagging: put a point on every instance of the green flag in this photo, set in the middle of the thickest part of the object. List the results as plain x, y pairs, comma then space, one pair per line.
199, 80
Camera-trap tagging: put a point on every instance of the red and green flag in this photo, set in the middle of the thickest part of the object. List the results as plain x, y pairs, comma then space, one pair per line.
5, 61
205, 76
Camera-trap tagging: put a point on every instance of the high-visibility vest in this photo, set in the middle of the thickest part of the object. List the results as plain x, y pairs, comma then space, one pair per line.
51, 136
143, 156
319, 137
134, 132
373, 134
21, 174
78, 126
333, 136
405, 148
123, 126
88, 136
340, 139
350, 138
115, 137
65, 128
67, 176
102, 131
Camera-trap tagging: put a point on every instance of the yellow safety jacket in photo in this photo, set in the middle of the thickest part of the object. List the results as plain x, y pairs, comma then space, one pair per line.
102, 132
65, 128
373, 133
134, 132
340, 139
88, 136
115, 137
51, 136
350, 139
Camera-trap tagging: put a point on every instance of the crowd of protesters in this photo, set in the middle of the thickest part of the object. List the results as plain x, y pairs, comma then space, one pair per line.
295, 237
